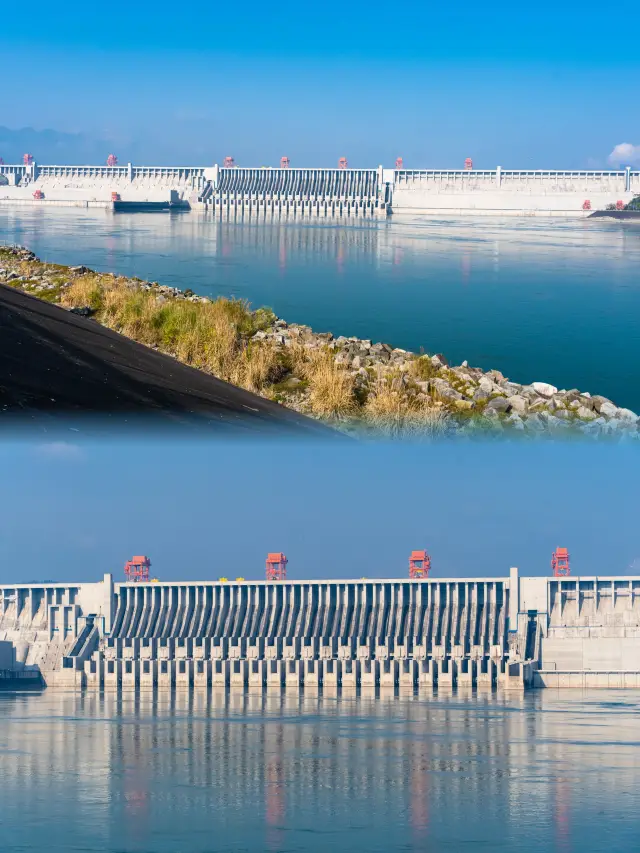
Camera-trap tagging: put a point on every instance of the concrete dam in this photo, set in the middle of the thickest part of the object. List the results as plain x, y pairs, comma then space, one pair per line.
501, 632
240, 192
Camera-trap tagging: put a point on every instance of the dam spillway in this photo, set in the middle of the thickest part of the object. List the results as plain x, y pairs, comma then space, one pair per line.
509, 632
243, 192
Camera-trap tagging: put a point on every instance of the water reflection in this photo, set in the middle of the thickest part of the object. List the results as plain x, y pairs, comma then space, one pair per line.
305, 772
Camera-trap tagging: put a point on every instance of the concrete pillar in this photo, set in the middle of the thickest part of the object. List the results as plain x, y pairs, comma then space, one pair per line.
446, 673
328, 649
499, 175
239, 673
291, 649
166, 673
332, 672
255, 650
148, 674
202, 673
112, 673
219, 648
257, 673
220, 673
313, 672
514, 600
466, 672
427, 673
130, 674
275, 673
389, 673
184, 673
237, 649
130, 172
486, 673
94, 671
369, 673
351, 673
627, 179
407, 673
273, 650
293, 674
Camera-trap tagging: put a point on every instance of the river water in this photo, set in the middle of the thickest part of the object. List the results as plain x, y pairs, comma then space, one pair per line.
166, 773
548, 300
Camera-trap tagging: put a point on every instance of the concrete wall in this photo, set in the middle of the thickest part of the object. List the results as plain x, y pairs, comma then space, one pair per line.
511, 192
7, 655
93, 185
43, 621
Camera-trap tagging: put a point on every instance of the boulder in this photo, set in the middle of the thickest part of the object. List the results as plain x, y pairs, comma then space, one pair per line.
585, 414
481, 394
496, 376
498, 404
608, 410
444, 391
439, 361
518, 404
544, 389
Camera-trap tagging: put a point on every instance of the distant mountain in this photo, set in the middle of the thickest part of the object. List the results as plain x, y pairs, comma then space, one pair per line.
52, 146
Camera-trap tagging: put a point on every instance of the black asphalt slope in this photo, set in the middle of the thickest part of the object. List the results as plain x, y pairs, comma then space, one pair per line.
55, 362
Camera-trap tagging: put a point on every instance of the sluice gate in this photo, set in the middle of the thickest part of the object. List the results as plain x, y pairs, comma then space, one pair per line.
511, 632
298, 192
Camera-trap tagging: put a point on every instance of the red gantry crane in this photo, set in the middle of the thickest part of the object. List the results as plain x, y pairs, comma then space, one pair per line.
276, 567
399, 163
285, 163
136, 569
228, 162
112, 160
419, 565
468, 164
560, 563
343, 163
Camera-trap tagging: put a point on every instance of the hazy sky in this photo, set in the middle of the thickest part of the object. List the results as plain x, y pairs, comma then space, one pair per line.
520, 85
72, 511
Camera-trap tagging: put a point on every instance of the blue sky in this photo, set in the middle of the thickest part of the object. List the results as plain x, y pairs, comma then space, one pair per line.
550, 85
72, 511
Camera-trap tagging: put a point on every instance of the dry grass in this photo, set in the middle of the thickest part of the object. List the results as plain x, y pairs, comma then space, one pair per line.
258, 368
207, 335
330, 386
396, 413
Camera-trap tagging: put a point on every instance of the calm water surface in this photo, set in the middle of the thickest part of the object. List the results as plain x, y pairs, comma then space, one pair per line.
538, 299
241, 772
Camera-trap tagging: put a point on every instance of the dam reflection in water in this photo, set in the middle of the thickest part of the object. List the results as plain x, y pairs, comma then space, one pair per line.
552, 300
301, 772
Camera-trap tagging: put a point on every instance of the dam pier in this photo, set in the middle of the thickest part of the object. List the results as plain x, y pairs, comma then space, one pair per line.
241, 192
508, 632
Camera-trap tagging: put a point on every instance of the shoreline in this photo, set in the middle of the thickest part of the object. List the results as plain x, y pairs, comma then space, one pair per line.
353, 383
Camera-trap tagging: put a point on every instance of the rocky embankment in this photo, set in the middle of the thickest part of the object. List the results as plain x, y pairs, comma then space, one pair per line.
381, 388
